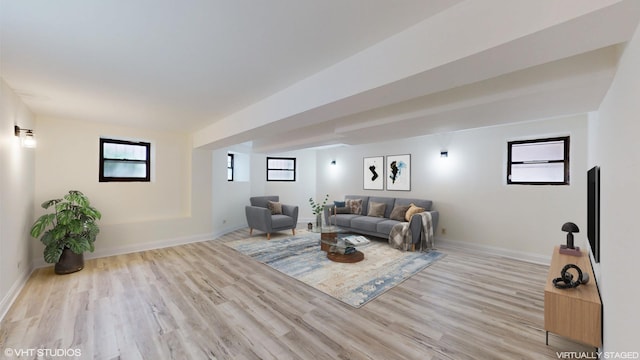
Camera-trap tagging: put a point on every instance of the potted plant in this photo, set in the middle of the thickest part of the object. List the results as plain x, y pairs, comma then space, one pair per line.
318, 209
67, 232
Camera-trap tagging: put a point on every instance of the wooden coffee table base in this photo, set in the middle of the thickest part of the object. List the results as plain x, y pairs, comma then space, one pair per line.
342, 258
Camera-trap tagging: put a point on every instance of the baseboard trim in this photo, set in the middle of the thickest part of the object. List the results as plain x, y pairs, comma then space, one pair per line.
492, 250
12, 294
153, 245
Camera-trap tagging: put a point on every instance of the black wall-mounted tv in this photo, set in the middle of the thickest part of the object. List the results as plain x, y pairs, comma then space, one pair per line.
593, 211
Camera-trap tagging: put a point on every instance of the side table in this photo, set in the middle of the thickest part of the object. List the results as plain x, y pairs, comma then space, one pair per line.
574, 313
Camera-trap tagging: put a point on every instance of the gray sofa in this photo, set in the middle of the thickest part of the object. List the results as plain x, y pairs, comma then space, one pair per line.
379, 226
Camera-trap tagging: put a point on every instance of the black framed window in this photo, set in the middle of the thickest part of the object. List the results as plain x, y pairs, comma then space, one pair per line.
281, 169
230, 167
122, 160
538, 161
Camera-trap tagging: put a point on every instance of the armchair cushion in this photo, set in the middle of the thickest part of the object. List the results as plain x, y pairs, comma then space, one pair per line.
282, 222
263, 201
275, 207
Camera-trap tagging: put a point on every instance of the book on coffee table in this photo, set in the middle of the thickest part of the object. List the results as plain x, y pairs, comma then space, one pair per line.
356, 240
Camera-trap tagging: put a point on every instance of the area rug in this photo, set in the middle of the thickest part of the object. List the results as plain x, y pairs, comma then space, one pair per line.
355, 284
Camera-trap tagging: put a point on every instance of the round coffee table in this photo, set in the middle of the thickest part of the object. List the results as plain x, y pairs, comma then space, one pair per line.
335, 245
355, 257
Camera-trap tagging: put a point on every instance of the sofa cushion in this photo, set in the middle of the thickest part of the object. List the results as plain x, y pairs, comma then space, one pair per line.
398, 213
355, 205
388, 201
426, 204
384, 227
339, 204
365, 202
366, 223
343, 220
412, 211
376, 209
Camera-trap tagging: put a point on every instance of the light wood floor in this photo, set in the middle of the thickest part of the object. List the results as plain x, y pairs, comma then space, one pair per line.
206, 301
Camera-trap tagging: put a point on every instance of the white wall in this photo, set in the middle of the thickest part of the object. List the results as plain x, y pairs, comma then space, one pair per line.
613, 135
469, 189
230, 197
175, 207
293, 193
16, 196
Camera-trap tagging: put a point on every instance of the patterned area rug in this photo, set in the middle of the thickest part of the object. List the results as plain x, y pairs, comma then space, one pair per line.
355, 284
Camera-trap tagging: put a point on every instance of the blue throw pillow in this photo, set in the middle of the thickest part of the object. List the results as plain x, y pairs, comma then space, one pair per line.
339, 204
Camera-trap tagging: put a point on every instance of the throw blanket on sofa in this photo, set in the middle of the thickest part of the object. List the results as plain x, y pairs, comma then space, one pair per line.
401, 236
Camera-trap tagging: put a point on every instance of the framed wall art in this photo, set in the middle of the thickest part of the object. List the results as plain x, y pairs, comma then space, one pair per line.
398, 170
373, 173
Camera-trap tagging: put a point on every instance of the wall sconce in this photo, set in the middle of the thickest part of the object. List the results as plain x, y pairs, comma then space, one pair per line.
444, 154
333, 162
29, 140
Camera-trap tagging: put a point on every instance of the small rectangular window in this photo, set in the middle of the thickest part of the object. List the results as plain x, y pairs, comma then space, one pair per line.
281, 169
230, 167
122, 160
538, 161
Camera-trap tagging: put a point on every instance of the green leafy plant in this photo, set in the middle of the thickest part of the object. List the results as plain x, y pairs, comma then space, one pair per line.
317, 208
72, 225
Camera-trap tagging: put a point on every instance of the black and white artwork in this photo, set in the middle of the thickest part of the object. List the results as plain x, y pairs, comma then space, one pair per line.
399, 172
373, 173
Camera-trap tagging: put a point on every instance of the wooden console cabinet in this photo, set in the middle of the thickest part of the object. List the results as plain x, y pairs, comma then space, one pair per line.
573, 313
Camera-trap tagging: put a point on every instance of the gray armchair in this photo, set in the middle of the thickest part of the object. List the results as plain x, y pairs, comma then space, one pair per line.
259, 216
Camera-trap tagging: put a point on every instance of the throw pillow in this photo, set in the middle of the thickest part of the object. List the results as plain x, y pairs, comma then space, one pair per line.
412, 211
275, 207
376, 209
355, 205
399, 212
339, 204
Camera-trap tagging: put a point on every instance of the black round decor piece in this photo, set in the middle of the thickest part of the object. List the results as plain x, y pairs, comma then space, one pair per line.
565, 281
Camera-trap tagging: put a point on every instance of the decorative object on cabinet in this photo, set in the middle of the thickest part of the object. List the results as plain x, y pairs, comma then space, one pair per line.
569, 248
565, 281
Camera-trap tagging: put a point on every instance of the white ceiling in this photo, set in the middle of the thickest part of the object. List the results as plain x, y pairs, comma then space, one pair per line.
181, 64
190, 65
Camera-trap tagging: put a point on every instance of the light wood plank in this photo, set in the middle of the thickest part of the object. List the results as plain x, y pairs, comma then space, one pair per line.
207, 301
